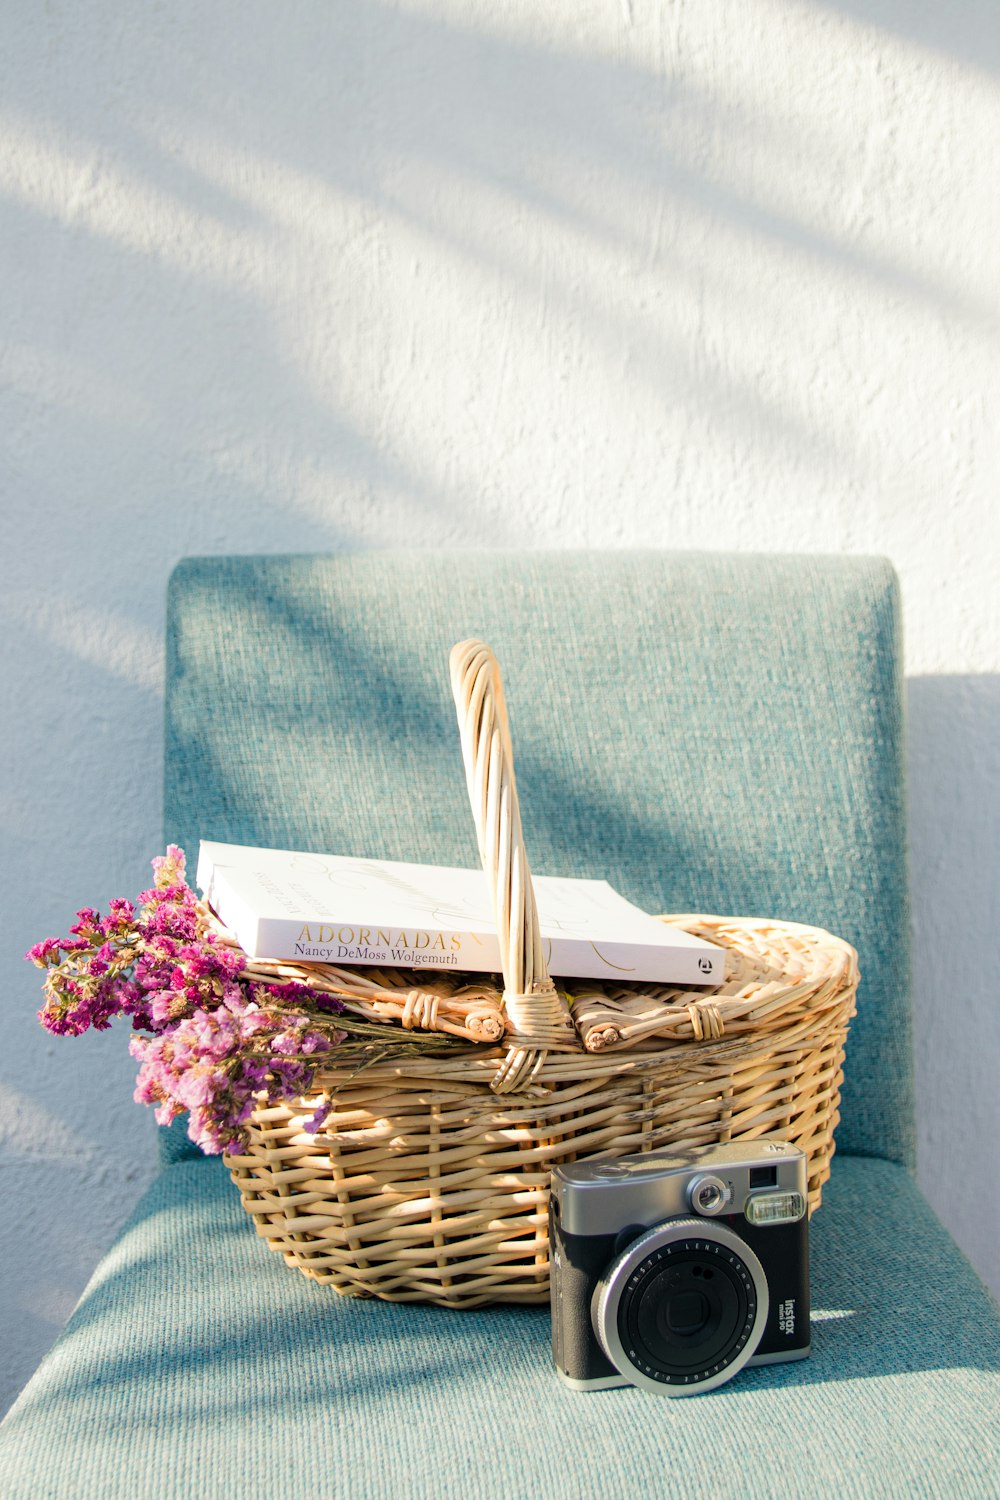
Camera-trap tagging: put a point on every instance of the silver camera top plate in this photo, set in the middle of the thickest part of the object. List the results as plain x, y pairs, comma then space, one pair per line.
600, 1197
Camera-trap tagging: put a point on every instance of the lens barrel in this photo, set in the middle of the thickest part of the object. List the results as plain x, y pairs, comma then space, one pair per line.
683, 1308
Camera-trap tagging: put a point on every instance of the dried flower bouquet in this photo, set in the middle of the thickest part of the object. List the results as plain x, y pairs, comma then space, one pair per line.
217, 1035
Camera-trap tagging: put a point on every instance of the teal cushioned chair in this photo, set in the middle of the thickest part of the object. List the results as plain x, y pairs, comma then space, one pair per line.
711, 733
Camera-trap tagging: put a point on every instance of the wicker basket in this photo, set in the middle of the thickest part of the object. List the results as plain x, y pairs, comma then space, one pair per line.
429, 1181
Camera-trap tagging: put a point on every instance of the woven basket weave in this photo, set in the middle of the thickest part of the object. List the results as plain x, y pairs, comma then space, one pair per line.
429, 1181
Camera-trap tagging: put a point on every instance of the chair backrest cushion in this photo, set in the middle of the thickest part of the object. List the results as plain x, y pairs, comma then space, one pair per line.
710, 732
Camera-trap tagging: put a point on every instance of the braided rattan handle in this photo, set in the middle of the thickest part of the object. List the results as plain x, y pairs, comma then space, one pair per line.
538, 1017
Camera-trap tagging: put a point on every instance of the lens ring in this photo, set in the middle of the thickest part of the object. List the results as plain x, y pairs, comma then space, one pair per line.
663, 1241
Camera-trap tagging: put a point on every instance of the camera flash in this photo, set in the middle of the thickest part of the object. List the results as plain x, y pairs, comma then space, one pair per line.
775, 1208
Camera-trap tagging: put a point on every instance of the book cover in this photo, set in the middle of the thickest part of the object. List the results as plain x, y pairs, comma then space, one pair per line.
342, 910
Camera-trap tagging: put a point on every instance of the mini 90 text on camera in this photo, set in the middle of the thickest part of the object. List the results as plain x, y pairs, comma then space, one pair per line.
673, 1270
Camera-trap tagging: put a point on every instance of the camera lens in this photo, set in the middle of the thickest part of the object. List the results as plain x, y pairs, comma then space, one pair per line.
683, 1309
684, 1315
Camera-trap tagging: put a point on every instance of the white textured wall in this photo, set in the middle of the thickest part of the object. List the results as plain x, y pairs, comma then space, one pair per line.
715, 275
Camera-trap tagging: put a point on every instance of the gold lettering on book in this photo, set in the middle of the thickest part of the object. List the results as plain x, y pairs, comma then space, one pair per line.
327, 935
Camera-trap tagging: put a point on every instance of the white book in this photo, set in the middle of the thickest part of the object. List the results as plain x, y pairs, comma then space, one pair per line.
341, 910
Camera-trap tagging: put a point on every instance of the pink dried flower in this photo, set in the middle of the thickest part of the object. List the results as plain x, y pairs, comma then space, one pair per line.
216, 1044
169, 868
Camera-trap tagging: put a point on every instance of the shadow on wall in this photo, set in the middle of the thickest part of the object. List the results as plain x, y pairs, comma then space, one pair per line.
967, 32
954, 799
954, 781
246, 201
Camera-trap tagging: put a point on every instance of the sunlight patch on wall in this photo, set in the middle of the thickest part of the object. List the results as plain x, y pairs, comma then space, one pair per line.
124, 648
90, 191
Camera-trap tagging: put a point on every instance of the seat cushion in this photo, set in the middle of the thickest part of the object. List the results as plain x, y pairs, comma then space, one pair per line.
199, 1364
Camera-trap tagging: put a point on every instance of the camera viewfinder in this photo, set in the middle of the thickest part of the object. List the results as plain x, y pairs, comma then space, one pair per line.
762, 1177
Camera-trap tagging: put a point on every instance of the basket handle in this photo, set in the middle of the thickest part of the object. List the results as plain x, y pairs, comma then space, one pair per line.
537, 1015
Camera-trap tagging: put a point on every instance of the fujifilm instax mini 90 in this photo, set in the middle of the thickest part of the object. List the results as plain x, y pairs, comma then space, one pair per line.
673, 1270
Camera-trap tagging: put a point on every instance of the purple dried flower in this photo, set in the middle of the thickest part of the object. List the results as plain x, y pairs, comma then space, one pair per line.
315, 1041
331, 1003
318, 1120
207, 1040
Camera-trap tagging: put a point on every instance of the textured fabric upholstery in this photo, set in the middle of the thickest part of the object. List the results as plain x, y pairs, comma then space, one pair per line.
198, 1367
710, 733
